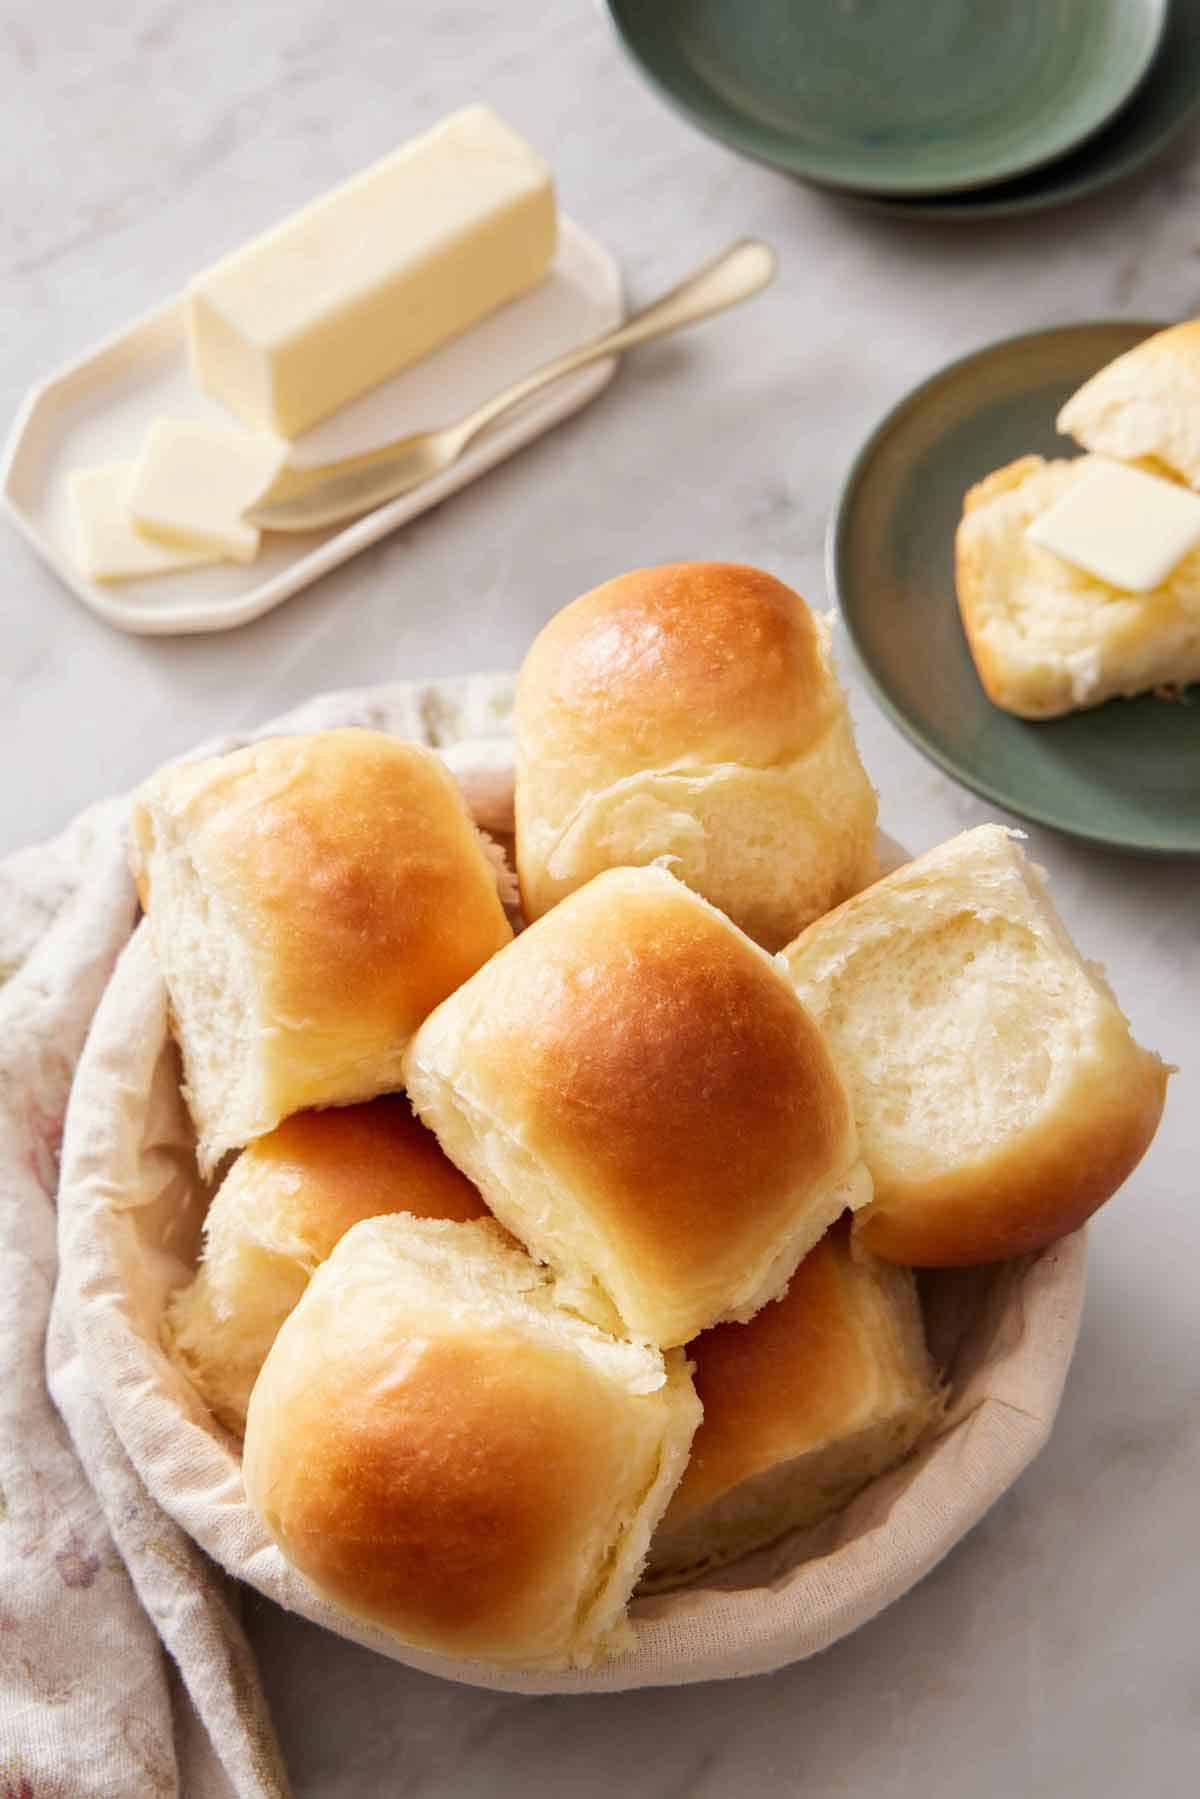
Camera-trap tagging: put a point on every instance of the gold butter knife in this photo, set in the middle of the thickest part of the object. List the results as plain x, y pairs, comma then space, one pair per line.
305, 499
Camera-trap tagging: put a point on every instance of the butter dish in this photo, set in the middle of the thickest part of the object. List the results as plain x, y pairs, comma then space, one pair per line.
97, 410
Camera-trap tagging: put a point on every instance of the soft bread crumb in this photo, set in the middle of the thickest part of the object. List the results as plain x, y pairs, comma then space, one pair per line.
1144, 406
999, 1095
1047, 638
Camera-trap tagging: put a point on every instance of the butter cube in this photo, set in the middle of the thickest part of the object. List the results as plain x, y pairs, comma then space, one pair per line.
110, 547
193, 483
1126, 527
374, 275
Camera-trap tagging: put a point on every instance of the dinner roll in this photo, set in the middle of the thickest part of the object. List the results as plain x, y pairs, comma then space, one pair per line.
689, 715
279, 1211
310, 900
999, 1094
1047, 638
443, 1452
822, 1391
1145, 406
638, 1095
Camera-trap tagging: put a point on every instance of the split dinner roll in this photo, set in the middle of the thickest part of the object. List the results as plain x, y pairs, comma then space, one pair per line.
1144, 407
443, 1452
287, 1200
641, 1099
1046, 637
689, 715
310, 899
824, 1390
999, 1094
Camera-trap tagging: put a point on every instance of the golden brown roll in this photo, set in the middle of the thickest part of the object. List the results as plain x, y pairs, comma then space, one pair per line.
640, 1098
822, 1391
999, 1094
443, 1452
287, 1200
689, 715
310, 900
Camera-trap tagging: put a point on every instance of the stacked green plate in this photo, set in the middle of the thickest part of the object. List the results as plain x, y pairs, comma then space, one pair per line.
954, 109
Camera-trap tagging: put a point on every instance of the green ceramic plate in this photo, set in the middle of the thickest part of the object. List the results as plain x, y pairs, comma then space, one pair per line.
1164, 103
876, 96
1126, 774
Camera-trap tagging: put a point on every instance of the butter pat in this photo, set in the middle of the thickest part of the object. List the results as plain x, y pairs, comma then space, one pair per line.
110, 548
373, 276
193, 483
1122, 525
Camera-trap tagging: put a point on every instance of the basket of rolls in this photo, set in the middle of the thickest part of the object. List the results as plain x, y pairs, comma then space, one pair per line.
564, 1203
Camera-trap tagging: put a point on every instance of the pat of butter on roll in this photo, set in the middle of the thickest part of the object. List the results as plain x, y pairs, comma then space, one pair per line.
1124, 526
375, 275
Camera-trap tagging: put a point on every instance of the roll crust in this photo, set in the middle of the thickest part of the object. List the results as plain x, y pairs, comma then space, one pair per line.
689, 714
311, 899
443, 1452
642, 1101
285, 1203
348, 1163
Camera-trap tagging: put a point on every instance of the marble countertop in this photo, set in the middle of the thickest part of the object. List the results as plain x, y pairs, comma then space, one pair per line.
1054, 1653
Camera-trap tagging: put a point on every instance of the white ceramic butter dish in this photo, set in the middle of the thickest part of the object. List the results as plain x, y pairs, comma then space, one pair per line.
97, 410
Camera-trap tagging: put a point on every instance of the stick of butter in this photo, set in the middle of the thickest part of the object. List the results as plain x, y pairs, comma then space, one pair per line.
374, 275
193, 482
110, 547
1122, 525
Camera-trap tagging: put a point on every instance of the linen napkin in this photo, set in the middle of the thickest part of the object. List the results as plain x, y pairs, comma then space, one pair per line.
124, 1671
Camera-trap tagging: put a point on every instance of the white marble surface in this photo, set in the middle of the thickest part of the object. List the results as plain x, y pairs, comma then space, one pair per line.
1055, 1652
